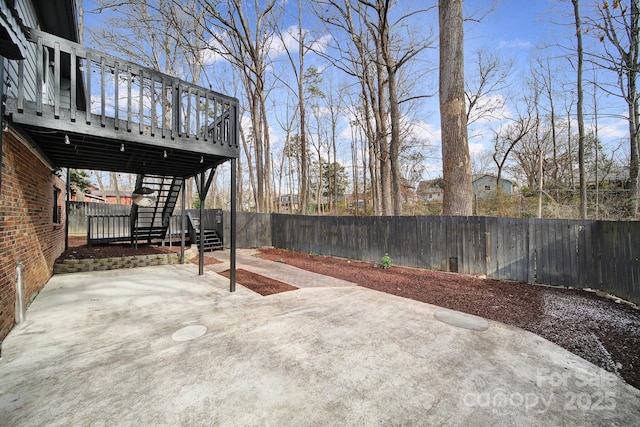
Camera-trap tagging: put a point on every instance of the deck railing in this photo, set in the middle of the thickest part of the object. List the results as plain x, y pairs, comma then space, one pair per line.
116, 228
66, 81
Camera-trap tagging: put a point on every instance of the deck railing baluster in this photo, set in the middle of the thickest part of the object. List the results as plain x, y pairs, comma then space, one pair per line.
56, 81
141, 102
198, 98
103, 96
129, 82
39, 76
88, 86
20, 86
73, 83
116, 96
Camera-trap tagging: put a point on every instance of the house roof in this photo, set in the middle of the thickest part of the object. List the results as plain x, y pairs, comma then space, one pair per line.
494, 177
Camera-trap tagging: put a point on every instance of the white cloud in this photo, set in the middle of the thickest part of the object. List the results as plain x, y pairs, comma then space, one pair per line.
276, 45
424, 131
211, 55
515, 43
613, 129
476, 149
288, 42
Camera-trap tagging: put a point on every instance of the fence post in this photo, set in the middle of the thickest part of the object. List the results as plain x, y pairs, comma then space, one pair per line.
89, 231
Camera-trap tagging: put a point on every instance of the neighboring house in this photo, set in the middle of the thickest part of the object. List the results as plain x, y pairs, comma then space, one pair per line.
88, 198
486, 185
430, 191
46, 78
287, 203
613, 177
110, 197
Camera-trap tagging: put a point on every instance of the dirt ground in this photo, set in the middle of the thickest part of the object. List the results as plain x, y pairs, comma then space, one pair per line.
78, 249
598, 329
257, 283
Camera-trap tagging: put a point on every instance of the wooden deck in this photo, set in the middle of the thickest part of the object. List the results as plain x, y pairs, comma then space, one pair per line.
85, 108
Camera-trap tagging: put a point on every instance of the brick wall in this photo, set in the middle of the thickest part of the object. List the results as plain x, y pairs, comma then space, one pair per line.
27, 232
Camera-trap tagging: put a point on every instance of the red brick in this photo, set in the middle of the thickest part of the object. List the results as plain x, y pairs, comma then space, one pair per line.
27, 233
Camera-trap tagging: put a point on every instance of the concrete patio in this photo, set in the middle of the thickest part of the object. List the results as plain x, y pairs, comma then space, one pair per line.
164, 346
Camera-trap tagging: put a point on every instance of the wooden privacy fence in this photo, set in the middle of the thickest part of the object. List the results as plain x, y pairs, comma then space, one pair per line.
602, 255
79, 211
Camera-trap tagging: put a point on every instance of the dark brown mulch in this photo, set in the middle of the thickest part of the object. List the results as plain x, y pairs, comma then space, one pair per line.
79, 250
207, 260
260, 284
595, 328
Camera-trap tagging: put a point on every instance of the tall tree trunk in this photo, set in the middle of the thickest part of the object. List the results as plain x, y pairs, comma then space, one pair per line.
382, 139
634, 110
394, 109
579, 107
456, 163
570, 148
394, 146
268, 197
247, 153
634, 157
303, 190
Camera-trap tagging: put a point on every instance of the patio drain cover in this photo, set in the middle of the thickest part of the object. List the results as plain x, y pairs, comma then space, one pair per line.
461, 320
188, 333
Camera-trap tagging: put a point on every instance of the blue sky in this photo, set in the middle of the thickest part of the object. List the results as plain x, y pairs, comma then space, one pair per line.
514, 30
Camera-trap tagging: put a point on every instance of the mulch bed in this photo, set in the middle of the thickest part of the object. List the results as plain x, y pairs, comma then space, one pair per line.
78, 249
598, 329
260, 284
207, 260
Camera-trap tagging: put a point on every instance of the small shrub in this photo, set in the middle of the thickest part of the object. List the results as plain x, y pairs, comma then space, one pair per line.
386, 261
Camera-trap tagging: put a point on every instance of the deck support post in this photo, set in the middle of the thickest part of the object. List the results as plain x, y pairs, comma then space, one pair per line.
183, 224
202, 194
232, 256
203, 183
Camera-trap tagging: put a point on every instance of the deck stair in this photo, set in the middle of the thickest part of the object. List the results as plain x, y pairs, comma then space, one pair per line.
212, 241
151, 222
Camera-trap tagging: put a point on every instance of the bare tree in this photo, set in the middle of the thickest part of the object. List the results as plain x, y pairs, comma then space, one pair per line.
242, 33
375, 56
491, 79
456, 164
297, 61
579, 108
507, 138
620, 27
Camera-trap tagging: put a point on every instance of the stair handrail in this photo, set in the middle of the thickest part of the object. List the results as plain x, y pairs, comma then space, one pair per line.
192, 228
